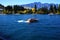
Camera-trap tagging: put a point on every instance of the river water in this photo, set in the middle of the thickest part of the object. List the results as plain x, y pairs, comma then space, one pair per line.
47, 27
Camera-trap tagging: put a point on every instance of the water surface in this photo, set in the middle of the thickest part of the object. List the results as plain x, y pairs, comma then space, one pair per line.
48, 27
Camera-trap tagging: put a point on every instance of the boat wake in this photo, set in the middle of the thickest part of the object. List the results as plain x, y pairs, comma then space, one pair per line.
22, 21
28, 21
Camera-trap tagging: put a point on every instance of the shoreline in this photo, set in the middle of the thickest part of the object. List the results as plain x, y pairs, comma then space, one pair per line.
31, 13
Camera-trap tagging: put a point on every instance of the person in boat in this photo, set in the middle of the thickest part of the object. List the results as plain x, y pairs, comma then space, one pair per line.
32, 20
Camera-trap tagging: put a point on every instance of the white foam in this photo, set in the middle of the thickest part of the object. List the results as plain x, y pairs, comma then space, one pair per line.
22, 21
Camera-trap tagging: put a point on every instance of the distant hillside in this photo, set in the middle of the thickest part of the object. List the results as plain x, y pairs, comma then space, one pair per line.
39, 5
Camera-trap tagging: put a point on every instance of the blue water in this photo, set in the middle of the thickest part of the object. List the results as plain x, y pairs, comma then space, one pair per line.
48, 27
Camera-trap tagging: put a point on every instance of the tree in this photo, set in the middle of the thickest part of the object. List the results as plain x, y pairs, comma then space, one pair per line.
18, 8
1, 6
8, 9
55, 9
35, 8
51, 9
43, 10
59, 9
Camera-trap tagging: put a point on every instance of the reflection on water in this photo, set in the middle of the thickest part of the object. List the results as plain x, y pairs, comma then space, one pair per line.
48, 27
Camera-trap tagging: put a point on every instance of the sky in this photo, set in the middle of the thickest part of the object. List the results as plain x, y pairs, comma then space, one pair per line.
20, 2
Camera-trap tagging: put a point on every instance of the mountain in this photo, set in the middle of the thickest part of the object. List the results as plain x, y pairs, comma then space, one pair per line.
39, 5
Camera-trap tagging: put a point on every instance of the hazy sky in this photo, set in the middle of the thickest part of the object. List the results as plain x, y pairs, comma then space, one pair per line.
19, 2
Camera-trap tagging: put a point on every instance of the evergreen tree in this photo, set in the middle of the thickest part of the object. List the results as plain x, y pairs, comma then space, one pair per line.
55, 9
35, 8
1, 6
59, 8
18, 8
9, 9
51, 8
43, 10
